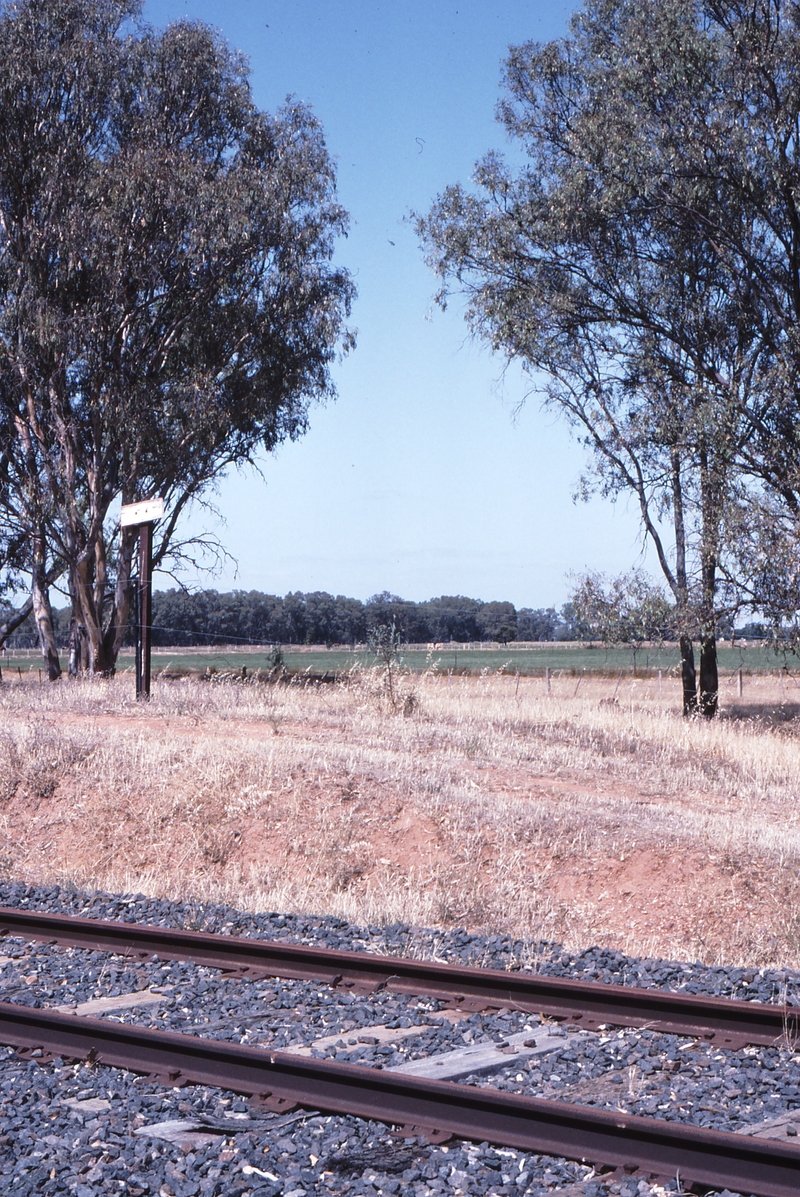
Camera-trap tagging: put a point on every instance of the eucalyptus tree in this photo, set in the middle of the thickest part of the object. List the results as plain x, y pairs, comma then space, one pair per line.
758, 164
168, 301
621, 261
625, 611
13, 545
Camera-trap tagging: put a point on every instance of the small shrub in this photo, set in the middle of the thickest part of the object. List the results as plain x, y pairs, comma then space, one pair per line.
46, 758
10, 767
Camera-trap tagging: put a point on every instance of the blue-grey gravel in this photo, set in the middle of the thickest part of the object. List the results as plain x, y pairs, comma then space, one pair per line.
49, 1146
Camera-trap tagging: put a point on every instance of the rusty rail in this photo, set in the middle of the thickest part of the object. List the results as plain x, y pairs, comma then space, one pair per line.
722, 1021
603, 1138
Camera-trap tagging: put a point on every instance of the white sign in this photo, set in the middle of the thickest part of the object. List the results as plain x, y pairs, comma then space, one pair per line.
141, 513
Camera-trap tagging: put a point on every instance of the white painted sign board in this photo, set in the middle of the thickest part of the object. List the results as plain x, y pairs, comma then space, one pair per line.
141, 513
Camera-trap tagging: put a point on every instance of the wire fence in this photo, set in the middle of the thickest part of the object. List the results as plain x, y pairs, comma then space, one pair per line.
570, 659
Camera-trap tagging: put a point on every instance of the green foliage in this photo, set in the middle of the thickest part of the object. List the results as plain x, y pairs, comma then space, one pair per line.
207, 617
167, 301
386, 643
627, 610
644, 258
276, 661
498, 621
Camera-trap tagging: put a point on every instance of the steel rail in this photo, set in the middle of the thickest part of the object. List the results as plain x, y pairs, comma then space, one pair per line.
602, 1138
722, 1021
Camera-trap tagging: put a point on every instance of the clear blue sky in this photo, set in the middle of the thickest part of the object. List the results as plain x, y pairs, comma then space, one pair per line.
419, 479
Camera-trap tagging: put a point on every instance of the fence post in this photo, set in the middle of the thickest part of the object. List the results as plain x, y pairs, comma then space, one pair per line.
142, 515
145, 610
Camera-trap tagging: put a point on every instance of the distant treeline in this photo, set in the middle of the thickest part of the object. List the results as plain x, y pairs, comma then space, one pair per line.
207, 617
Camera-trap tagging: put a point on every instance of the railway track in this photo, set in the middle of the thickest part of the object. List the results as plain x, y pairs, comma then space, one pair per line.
721, 1021
279, 1082
604, 1138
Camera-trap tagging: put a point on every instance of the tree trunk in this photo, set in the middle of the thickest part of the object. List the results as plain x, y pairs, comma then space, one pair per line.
14, 621
688, 676
78, 648
72, 658
89, 651
711, 505
709, 680
87, 633
42, 611
123, 598
681, 590
98, 634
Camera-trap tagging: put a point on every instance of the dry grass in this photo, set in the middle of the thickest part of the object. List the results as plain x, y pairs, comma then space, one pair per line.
489, 804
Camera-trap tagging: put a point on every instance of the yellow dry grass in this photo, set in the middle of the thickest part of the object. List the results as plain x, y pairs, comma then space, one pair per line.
490, 803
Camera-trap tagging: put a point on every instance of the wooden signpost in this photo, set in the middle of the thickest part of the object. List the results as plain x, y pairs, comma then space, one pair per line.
143, 515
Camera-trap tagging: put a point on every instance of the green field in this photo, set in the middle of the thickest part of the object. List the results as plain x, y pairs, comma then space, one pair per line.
528, 661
